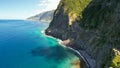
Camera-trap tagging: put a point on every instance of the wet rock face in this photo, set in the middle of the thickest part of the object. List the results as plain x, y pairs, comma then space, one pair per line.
97, 31
60, 20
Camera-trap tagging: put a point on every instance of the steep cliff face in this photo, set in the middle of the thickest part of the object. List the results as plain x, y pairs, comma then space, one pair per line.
101, 21
93, 26
65, 18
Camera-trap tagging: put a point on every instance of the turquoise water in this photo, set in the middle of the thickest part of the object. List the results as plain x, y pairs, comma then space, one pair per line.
22, 45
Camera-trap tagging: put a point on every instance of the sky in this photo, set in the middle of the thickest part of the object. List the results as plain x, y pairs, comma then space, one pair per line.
22, 9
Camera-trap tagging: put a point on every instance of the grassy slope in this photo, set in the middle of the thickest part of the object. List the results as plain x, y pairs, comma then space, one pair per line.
115, 60
73, 6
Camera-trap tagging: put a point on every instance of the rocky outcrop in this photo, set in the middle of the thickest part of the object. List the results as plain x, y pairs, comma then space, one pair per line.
92, 26
43, 17
65, 19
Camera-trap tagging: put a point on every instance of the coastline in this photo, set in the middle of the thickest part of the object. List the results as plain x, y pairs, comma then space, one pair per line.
58, 40
90, 63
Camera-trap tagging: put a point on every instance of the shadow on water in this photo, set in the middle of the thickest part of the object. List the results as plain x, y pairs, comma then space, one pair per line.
56, 53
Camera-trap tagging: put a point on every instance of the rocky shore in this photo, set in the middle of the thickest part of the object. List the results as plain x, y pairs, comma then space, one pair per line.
64, 44
76, 64
87, 61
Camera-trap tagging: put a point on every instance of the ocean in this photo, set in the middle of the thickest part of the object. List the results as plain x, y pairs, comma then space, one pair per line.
23, 45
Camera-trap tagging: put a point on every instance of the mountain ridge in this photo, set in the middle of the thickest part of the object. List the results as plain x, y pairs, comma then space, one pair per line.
94, 29
43, 17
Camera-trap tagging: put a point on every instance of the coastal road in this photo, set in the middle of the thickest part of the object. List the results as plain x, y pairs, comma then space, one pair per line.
85, 57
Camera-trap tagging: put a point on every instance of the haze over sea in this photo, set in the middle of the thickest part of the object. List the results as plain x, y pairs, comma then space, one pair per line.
22, 45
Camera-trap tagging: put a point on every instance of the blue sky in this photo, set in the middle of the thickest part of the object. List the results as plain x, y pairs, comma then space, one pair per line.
21, 9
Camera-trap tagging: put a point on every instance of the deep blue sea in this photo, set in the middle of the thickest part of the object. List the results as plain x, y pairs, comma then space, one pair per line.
22, 45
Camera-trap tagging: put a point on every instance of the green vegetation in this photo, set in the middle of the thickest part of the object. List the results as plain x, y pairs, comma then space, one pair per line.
115, 60
102, 19
100, 27
98, 13
75, 6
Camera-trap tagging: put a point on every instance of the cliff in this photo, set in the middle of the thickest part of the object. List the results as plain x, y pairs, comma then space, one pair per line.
92, 26
43, 17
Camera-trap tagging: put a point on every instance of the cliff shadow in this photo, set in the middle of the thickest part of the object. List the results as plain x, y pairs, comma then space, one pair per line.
56, 53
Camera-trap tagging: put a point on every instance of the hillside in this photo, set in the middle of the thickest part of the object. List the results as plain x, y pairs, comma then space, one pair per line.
92, 26
43, 17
